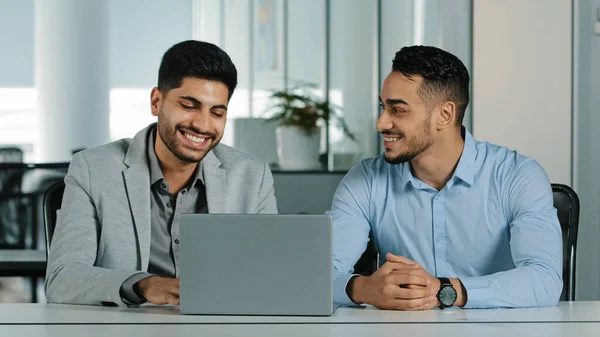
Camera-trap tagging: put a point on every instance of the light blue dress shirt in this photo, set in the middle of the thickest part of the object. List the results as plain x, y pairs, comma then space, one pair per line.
493, 225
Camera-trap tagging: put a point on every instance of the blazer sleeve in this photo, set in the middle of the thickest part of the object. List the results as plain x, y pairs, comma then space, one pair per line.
267, 204
71, 276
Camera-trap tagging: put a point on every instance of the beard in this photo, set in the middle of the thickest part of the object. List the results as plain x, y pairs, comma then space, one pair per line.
416, 145
168, 134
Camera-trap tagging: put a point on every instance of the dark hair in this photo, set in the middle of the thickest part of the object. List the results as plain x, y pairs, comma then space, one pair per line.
445, 77
196, 59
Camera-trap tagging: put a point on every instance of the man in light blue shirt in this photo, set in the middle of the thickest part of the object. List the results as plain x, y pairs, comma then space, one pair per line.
457, 222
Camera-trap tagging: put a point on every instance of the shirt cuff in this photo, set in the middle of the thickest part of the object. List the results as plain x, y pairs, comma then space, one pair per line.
127, 294
340, 297
479, 292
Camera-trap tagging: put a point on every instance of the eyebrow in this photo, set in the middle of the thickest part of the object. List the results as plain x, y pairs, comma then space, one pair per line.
391, 101
198, 103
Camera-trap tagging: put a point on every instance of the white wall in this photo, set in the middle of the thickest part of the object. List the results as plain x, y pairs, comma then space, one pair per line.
16, 43
140, 32
522, 79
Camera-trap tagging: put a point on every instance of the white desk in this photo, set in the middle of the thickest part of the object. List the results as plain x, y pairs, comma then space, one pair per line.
566, 312
566, 319
310, 330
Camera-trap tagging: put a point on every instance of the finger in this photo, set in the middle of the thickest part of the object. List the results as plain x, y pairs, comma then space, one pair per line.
172, 299
174, 288
433, 302
416, 272
156, 300
399, 259
391, 266
406, 279
407, 294
412, 304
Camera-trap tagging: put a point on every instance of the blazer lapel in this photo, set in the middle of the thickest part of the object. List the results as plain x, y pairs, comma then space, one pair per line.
137, 185
215, 181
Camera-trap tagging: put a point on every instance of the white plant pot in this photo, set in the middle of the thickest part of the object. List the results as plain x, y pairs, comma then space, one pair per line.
296, 150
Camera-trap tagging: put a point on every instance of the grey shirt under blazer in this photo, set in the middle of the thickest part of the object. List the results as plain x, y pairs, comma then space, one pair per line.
102, 234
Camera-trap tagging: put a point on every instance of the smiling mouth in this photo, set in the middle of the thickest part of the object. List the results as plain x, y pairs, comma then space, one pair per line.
391, 139
197, 140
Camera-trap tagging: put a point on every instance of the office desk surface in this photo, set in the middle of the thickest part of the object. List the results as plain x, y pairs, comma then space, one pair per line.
565, 312
312, 330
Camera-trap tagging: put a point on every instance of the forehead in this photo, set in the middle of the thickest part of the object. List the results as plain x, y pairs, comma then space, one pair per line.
396, 86
202, 88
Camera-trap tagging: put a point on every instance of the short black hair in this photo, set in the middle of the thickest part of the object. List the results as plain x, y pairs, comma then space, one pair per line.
445, 77
197, 59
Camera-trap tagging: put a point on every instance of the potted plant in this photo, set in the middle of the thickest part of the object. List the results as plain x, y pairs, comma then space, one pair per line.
301, 116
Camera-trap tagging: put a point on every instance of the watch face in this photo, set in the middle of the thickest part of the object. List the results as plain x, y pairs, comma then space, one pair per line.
447, 296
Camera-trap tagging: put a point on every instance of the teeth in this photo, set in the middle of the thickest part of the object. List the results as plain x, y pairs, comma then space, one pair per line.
390, 139
195, 139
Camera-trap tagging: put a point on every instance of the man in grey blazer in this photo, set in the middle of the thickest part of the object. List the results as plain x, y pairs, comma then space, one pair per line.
117, 234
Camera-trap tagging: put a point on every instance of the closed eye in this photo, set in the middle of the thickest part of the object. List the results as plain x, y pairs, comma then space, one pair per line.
187, 107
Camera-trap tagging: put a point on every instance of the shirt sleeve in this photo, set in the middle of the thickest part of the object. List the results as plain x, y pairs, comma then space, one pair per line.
351, 227
128, 295
535, 245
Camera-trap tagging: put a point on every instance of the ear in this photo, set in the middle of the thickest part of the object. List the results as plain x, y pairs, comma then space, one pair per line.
447, 114
156, 99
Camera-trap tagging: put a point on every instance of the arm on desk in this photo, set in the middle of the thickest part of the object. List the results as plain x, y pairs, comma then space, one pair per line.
71, 276
536, 248
351, 227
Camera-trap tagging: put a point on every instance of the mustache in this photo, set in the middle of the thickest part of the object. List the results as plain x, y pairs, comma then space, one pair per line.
198, 132
389, 133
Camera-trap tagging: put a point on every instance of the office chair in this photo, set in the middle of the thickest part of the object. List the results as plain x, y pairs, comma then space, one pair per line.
52, 203
566, 202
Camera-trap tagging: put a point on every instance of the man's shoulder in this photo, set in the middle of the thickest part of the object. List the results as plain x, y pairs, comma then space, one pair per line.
506, 162
107, 154
232, 158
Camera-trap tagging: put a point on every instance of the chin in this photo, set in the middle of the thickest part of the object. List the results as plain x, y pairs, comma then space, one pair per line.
191, 156
397, 158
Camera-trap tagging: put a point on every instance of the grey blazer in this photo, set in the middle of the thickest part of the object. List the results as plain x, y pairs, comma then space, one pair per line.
102, 234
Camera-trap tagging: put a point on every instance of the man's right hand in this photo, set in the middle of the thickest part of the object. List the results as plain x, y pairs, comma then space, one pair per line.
386, 290
158, 290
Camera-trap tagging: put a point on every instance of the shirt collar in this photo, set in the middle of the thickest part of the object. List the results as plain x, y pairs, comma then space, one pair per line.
465, 170
155, 170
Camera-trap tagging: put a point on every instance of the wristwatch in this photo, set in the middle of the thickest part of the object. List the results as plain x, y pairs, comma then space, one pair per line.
447, 294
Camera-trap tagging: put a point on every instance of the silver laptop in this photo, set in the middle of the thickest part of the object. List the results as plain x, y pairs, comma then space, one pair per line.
234, 264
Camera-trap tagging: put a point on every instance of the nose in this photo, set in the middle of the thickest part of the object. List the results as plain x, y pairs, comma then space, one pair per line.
384, 123
201, 120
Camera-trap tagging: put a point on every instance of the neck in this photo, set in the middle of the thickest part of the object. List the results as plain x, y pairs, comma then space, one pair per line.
436, 165
176, 172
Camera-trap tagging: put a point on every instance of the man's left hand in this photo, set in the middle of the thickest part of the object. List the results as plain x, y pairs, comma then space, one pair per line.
434, 285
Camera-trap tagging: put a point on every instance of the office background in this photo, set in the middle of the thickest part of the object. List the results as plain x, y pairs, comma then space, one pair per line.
534, 66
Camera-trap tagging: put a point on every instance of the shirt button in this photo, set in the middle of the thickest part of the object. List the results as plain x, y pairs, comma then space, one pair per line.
168, 205
176, 241
440, 238
163, 185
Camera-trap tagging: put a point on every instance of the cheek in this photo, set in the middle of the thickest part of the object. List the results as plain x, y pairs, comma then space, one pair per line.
219, 125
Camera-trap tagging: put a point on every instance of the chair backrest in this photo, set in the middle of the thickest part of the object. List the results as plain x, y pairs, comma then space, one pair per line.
52, 203
15, 210
566, 203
